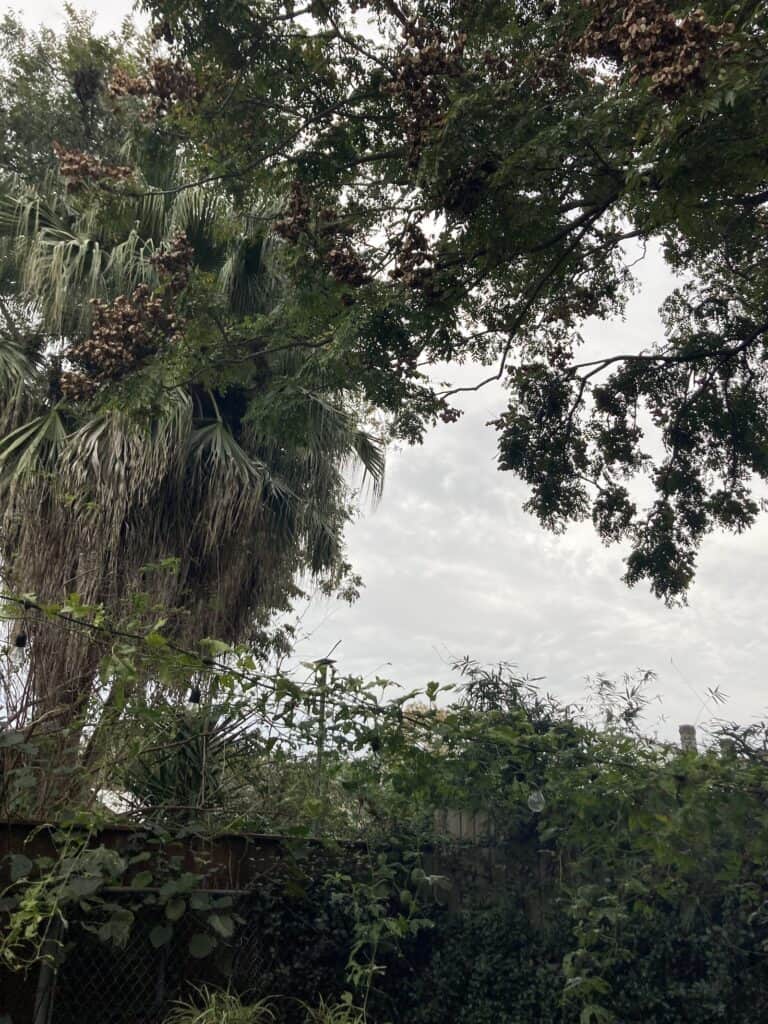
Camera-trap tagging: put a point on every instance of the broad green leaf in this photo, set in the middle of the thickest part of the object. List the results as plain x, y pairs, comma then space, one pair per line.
201, 945
21, 866
222, 924
160, 935
175, 908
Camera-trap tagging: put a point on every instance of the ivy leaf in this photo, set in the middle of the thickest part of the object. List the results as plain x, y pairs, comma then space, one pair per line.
117, 928
222, 924
160, 935
80, 887
175, 909
201, 945
21, 866
142, 879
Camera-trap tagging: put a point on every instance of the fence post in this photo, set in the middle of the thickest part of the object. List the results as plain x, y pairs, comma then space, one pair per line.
688, 738
46, 979
469, 826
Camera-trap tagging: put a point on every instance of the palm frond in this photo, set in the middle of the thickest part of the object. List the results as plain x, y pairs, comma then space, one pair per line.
245, 500
372, 455
16, 365
335, 427
32, 448
198, 213
215, 452
25, 211
120, 468
130, 263
250, 279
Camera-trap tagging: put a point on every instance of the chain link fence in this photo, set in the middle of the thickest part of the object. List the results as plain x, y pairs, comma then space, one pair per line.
99, 983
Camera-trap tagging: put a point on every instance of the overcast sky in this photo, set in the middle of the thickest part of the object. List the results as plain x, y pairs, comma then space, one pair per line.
453, 566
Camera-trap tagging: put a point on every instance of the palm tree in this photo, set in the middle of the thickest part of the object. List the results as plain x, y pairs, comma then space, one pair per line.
217, 453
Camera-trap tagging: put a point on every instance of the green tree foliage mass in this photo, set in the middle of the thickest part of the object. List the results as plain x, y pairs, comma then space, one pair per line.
52, 86
476, 179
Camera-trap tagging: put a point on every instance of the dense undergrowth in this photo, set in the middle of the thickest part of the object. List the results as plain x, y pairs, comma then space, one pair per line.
611, 877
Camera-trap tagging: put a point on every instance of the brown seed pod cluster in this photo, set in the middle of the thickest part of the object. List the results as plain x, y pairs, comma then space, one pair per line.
123, 84
172, 83
80, 169
653, 43
123, 333
173, 262
346, 266
129, 329
294, 221
343, 262
413, 267
326, 232
165, 84
419, 77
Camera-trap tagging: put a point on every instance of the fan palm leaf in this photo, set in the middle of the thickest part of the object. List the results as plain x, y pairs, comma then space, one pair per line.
31, 449
15, 364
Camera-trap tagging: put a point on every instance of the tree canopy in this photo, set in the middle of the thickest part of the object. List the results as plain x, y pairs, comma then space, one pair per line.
462, 181
53, 86
227, 242
135, 468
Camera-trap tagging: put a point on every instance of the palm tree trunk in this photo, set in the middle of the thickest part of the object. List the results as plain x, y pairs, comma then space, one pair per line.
63, 672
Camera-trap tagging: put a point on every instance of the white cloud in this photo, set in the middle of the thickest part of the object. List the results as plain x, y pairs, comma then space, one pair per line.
108, 16
453, 565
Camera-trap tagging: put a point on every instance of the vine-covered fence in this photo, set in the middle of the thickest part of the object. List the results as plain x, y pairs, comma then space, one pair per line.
276, 890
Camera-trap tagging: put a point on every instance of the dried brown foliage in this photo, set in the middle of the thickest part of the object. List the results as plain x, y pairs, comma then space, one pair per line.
428, 59
295, 218
327, 232
654, 43
126, 331
165, 83
79, 169
414, 257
